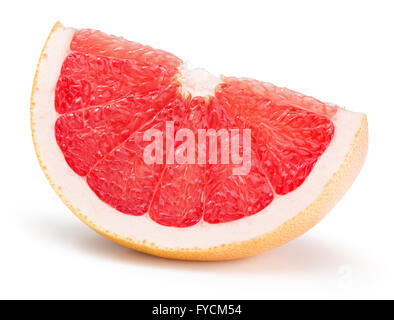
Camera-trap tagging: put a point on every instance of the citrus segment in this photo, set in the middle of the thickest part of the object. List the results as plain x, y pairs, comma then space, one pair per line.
288, 139
230, 197
99, 43
280, 96
122, 178
88, 80
178, 200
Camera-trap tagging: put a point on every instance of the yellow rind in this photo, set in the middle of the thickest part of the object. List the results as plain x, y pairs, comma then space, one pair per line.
335, 188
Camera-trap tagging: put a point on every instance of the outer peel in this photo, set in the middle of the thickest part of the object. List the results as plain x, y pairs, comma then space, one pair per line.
334, 189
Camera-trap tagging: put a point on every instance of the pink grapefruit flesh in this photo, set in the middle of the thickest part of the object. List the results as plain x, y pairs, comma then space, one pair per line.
111, 90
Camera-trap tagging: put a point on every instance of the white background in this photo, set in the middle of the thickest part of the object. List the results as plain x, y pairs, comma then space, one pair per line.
339, 51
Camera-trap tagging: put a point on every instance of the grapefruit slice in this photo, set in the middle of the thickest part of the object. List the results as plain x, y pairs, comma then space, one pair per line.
95, 96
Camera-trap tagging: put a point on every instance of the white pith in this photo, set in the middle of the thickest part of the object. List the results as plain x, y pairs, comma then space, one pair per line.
198, 82
76, 191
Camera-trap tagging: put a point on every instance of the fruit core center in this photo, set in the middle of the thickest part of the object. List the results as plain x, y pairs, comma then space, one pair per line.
198, 82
